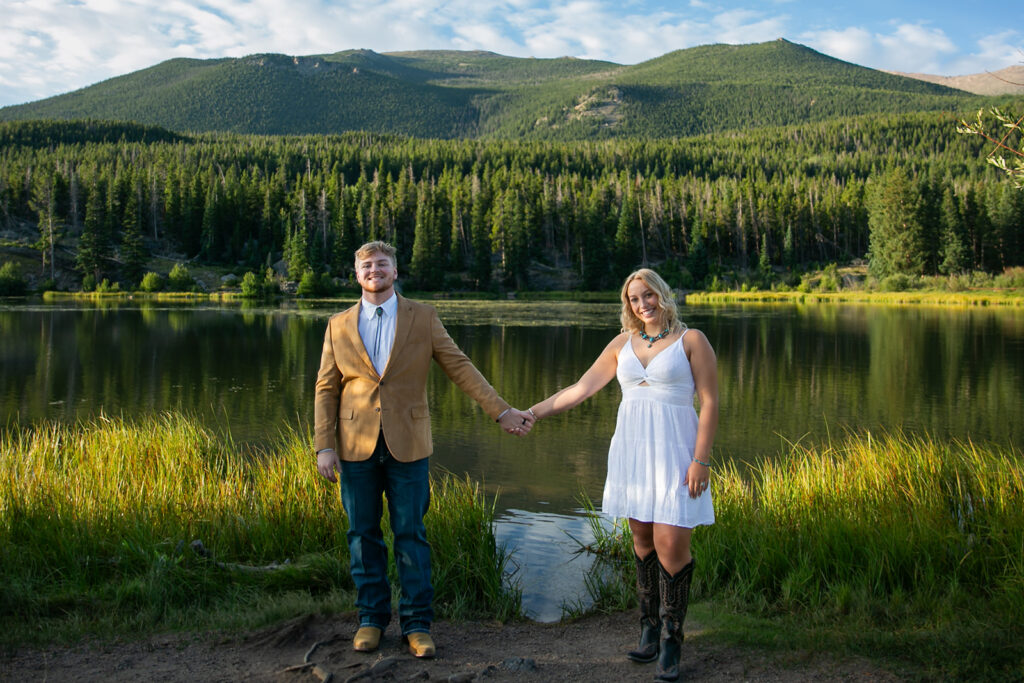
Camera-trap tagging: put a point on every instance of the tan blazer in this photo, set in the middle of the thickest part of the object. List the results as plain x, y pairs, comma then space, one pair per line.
353, 403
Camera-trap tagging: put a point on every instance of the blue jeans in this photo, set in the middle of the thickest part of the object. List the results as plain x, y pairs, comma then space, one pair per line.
407, 488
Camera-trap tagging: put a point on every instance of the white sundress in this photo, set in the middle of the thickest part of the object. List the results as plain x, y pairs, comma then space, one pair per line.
655, 434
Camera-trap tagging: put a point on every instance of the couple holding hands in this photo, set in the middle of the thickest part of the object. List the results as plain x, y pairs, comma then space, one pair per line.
371, 408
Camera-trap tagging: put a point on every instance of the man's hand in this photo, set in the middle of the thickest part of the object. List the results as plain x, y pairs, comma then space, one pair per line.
517, 422
327, 464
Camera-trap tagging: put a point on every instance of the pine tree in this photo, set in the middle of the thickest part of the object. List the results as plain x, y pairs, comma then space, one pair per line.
459, 242
427, 263
210, 232
593, 259
697, 259
133, 252
1006, 217
296, 254
954, 252
480, 232
896, 231
764, 261
345, 240
976, 227
93, 245
627, 239
44, 202
515, 240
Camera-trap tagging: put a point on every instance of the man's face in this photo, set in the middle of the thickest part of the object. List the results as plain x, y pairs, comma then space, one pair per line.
376, 272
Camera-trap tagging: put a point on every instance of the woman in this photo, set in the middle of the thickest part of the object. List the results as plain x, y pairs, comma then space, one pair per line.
659, 458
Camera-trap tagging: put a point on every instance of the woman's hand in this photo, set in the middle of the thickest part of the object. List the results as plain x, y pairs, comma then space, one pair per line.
698, 478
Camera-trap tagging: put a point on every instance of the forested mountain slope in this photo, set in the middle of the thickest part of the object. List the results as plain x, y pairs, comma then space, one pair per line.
450, 94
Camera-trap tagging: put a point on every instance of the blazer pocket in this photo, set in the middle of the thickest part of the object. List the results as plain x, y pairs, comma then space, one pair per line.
346, 415
420, 413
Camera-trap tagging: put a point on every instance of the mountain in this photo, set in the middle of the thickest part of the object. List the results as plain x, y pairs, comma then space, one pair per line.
1008, 81
453, 94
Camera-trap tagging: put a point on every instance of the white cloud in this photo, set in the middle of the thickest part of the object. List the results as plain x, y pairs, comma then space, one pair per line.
745, 26
851, 44
920, 48
916, 48
995, 52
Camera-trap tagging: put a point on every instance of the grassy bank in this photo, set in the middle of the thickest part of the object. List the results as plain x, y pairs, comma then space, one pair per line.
1013, 297
51, 296
97, 522
902, 548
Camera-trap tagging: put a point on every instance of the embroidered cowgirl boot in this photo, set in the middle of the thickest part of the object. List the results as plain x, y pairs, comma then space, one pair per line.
675, 597
648, 594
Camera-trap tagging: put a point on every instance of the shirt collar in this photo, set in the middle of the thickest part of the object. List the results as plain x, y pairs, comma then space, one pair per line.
390, 307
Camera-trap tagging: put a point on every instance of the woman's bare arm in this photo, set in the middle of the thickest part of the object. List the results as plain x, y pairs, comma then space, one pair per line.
592, 381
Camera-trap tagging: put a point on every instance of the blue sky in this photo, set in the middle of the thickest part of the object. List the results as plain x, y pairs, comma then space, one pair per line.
52, 46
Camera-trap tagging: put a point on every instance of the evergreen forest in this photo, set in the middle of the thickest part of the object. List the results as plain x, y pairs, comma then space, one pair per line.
902, 190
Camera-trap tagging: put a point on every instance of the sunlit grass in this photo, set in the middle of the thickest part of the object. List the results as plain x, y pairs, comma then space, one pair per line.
910, 547
861, 296
97, 521
167, 297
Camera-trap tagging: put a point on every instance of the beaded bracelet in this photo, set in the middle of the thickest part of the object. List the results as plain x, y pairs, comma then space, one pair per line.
701, 462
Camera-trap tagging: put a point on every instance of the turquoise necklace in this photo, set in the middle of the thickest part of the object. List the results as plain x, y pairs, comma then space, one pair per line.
650, 340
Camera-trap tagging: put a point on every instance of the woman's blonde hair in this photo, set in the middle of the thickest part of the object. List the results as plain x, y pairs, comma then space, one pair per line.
666, 302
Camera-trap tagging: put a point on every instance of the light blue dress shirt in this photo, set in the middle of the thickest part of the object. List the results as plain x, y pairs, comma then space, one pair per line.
379, 350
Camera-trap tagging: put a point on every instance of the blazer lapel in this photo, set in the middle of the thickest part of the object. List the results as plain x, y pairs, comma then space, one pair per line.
403, 325
351, 327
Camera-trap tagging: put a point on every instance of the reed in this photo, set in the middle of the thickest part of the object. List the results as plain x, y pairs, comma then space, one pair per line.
907, 545
1011, 297
97, 522
162, 297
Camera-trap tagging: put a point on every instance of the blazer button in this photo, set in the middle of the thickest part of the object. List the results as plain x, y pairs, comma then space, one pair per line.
376, 410
380, 383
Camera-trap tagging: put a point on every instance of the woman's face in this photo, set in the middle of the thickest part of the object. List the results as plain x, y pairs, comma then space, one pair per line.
643, 301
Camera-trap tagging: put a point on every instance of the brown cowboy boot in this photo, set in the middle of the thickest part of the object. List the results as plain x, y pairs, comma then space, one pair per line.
647, 592
675, 597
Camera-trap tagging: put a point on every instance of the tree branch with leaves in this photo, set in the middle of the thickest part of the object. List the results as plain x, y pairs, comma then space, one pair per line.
1008, 152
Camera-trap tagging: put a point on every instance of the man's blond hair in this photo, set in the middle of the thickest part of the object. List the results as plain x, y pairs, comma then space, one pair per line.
371, 248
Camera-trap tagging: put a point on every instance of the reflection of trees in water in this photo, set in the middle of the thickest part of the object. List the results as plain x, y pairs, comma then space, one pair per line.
251, 375
950, 372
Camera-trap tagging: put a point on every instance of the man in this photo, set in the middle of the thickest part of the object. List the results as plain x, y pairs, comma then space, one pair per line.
371, 406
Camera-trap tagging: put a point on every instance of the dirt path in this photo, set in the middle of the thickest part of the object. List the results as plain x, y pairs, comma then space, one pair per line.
586, 650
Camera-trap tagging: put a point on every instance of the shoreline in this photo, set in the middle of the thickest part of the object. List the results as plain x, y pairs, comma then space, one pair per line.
941, 298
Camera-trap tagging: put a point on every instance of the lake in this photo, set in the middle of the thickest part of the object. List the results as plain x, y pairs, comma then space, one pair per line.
787, 373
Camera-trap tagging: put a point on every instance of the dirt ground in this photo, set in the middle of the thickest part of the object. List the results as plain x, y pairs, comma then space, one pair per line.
590, 649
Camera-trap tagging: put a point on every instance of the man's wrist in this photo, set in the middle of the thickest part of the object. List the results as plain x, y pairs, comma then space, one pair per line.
503, 414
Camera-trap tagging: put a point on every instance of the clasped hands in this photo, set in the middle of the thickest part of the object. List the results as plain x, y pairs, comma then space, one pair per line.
517, 422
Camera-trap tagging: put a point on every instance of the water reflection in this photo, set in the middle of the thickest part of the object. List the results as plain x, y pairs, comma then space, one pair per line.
545, 559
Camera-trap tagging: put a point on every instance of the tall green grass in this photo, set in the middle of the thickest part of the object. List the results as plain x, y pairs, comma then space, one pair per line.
934, 297
96, 522
907, 546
